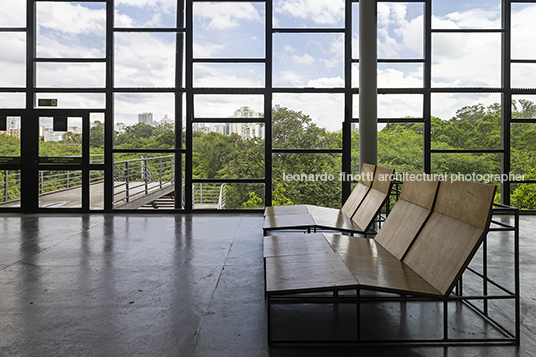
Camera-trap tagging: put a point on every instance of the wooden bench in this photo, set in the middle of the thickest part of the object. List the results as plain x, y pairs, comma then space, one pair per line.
356, 216
422, 249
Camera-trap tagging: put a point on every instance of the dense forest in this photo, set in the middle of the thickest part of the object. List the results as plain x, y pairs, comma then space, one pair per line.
400, 146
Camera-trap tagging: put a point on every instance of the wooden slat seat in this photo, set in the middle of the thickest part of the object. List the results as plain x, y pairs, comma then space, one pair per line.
427, 262
432, 263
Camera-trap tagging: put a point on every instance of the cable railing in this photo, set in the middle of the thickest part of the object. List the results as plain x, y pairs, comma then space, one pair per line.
136, 178
209, 195
133, 179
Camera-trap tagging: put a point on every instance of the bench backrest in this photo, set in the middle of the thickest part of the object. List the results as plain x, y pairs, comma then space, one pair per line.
360, 190
409, 213
379, 191
452, 234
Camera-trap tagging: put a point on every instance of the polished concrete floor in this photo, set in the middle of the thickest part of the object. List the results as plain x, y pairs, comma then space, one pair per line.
189, 285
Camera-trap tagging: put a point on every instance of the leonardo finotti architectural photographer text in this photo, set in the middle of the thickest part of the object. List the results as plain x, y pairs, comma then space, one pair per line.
402, 177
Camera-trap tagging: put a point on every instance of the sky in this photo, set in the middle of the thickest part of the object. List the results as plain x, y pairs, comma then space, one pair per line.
223, 30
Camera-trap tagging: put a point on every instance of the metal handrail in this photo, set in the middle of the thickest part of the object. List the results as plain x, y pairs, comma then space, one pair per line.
161, 171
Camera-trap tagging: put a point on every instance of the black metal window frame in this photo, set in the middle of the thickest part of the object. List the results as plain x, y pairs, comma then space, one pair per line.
185, 60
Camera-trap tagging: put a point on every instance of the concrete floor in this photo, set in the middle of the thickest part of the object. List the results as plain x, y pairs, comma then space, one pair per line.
179, 285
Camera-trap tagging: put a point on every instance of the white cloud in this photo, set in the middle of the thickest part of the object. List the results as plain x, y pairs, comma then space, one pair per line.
319, 11
229, 75
326, 110
335, 82
223, 106
224, 16
71, 19
288, 79
207, 49
523, 31
144, 60
393, 78
162, 5
305, 59
13, 13
13, 61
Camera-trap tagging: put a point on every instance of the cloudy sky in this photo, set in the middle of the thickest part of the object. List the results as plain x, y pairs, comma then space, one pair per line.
236, 30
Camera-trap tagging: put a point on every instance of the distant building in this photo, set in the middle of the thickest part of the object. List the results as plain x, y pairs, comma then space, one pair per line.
145, 118
245, 130
12, 126
120, 128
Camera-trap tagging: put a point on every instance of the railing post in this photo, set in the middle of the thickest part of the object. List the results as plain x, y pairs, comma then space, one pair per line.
41, 183
145, 170
201, 192
68, 179
127, 179
160, 161
5, 185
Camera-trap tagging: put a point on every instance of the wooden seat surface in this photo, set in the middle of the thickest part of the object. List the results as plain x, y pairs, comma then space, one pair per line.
307, 273
409, 213
452, 234
295, 244
281, 210
375, 268
359, 192
330, 218
288, 221
376, 196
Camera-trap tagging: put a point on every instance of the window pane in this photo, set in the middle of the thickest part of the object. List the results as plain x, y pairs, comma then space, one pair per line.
133, 13
12, 100
459, 106
355, 30
228, 150
55, 144
523, 31
96, 138
473, 121
140, 180
307, 179
230, 29
477, 14
523, 142
74, 100
228, 196
144, 120
13, 13
71, 30
145, 59
523, 75
60, 189
524, 106
71, 75
466, 60
301, 13
224, 106
308, 60
11, 137
13, 62
229, 75
400, 30
10, 197
400, 146
307, 121
400, 75
96, 190
400, 106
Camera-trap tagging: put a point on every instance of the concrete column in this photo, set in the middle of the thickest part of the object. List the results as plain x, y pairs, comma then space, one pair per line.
368, 84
